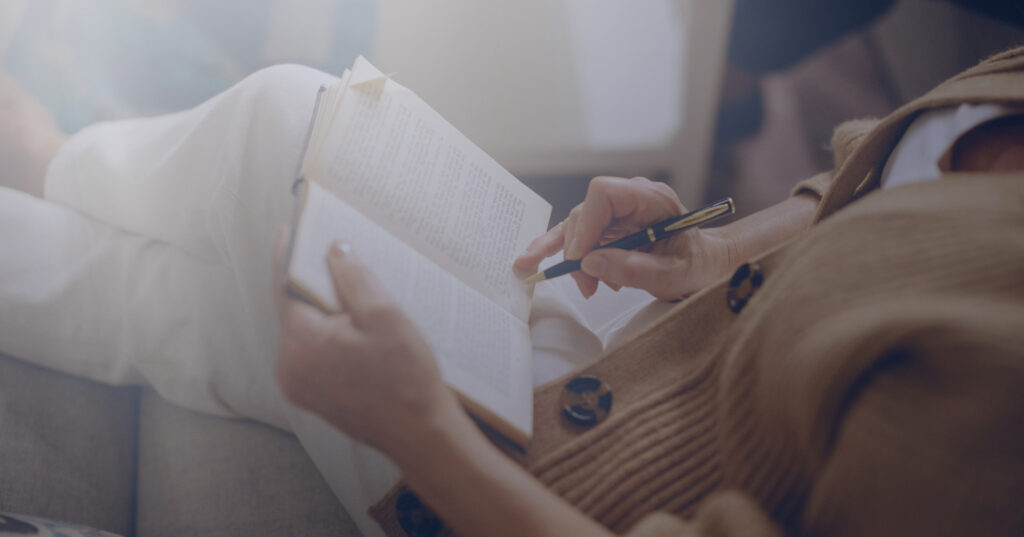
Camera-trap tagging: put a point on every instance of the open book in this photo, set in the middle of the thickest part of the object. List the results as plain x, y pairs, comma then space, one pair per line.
438, 220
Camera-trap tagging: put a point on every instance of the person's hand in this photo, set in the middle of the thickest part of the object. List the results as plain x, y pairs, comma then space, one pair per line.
615, 207
29, 138
367, 371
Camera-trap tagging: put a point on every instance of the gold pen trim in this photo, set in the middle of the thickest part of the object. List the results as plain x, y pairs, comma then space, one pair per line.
651, 235
538, 277
704, 215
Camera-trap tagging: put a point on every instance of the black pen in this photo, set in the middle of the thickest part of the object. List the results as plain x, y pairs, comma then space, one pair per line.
654, 233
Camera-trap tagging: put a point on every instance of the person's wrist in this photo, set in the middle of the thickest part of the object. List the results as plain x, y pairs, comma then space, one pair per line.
725, 250
417, 441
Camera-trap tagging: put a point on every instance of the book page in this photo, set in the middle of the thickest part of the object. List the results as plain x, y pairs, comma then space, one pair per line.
389, 154
482, 349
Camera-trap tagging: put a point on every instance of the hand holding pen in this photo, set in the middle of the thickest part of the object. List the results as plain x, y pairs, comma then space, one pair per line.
680, 260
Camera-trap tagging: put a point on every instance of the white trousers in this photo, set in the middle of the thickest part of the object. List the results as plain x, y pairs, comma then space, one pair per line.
149, 262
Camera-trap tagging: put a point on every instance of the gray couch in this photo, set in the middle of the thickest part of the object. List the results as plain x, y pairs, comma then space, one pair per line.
123, 460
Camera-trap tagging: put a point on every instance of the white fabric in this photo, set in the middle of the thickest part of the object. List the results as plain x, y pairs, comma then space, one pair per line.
150, 263
918, 154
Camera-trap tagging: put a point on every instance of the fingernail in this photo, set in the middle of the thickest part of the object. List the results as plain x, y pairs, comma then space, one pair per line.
340, 249
573, 251
594, 265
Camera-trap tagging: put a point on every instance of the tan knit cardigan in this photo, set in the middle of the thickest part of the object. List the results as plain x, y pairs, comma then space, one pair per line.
873, 385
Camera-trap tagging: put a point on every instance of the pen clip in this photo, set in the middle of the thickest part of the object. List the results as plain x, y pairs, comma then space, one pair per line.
723, 207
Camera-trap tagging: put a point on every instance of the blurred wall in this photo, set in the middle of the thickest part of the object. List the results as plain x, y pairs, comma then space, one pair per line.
106, 59
551, 88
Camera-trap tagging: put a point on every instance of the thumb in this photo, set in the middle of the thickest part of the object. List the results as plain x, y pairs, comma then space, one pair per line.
659, 275
356, 286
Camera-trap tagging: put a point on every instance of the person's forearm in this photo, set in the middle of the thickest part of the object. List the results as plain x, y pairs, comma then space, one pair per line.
478, 491
755, 234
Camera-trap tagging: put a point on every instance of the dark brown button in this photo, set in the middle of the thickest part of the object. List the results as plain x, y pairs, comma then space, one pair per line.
744, 283
586, 400
416, 519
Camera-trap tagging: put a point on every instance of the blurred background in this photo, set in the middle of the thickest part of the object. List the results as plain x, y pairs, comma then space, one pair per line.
716, 97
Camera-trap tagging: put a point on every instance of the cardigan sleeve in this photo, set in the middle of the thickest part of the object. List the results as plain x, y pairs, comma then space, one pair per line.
928, 441
726, 514
816, 185
846, 138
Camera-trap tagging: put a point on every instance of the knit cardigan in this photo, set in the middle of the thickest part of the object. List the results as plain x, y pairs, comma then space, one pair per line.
872, 385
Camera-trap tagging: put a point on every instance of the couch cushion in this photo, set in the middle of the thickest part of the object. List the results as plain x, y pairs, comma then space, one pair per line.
203, 475
67, 447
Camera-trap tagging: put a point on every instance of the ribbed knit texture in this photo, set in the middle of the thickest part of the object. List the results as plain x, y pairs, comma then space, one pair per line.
874, 385
662, 447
